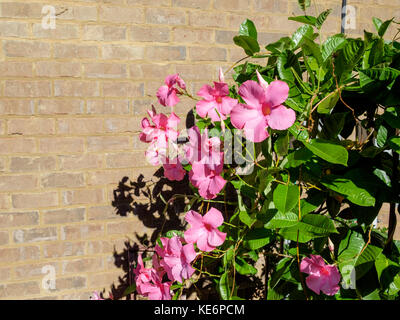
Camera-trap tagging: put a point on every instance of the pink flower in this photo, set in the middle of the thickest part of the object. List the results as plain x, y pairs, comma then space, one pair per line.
155, 289
207, 178
215, 98
167, 94
263, 108
321, 277
173, 170
96, 296
203, 149
203, 230
176, 258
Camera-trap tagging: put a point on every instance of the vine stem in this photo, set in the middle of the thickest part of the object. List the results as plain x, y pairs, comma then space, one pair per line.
298, 248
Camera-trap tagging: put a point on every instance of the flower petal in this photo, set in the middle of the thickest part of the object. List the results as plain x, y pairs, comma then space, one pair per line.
255, 129
277, 93
281, 118
213, 218
216, 238
194, 218
240, 114
314, 283
253, 94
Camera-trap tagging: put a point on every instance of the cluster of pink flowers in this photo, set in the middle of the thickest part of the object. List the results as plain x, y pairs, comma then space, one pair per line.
175, 255
263, 109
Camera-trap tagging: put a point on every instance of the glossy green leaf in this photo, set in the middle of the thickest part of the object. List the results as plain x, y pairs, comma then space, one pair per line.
286, 197
328, 151
247, 28
305, 19
282, 220
243, 267
331, 45
322, 18
249, 44
394, 143
257, 238
224, 286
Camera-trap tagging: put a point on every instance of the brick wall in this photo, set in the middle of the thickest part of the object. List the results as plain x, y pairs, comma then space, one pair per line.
71, 101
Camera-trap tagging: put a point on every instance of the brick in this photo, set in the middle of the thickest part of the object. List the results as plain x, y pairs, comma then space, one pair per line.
80, 162
67, 144
196, 4
105, 70
274, 6
224, 37
146, 2
62, 31
123, 52
82, 232
5, 274
81, 13
12, 255
13, 29
16, 183
69, 88
149, 34
112, 177
20, 10
2, 164
82, 265
74, 282
34, 270
126, 160
109, 143
16, 107
207, 54
16, 69
121, 125
30, 49
67, 50
35, 200
190, 35
130, 226
119, 89
80, 126
108, 107
105, 279
64, 249
4, 237
197, 71
35, 235
122, 14
58, 69
103, 33
165, 16
166, 53
16, 145
63, 216
19, 289
235, 20
5, 202
79, 295
18, 219
63, 180
23, 88
232, 5
207, 19
33, 126
54, 106
30, 164
101, 213
85, 196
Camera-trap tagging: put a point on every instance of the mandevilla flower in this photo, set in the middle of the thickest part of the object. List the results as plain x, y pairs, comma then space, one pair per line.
321, 277
96, 296
263, 108
173, 170
204, 229
207, 178
215, 101
167, 94
203, 149
176, 258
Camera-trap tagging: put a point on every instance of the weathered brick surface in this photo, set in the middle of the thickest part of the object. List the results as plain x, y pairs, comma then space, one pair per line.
71, 102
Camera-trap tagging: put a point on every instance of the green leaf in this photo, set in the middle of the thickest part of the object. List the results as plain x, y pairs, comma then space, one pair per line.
285, 197
228, 256
243, 267
388, 274
305, 19
129, 290
247, 28
381, 136
285, 62
224, 287
381, 27
330, 101
281, 145
376, 79
377, 23
322, 17
299, 35
246, 218
257, 238
304, 4
281, 268
298, 157
249, 44
332, 45
349, 190
394, 143
282, 220
328, 151
392, 117
373, 54
317, 224
366, 260
173, 233
348, 58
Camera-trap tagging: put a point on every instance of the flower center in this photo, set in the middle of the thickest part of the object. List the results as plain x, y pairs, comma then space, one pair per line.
208, 227
324, 271
266, 109
218, 99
